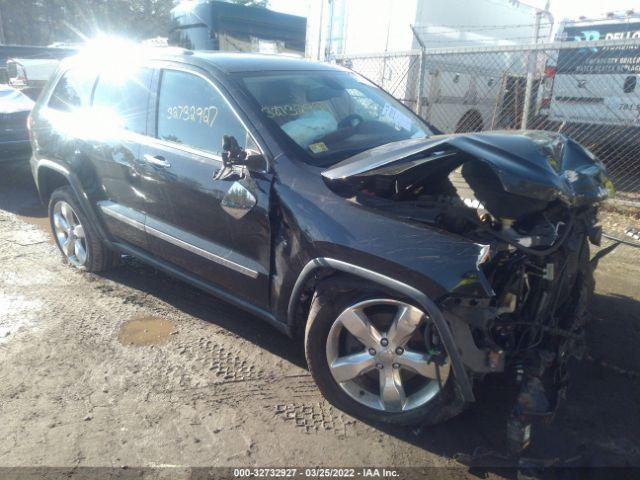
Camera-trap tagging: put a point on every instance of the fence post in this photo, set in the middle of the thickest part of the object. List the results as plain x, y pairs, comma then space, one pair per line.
532, 63
2, 39
421, 66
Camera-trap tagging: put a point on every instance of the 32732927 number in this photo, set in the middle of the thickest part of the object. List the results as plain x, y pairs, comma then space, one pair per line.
193, 113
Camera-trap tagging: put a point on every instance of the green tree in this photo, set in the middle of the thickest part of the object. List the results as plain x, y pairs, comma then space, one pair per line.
42, 22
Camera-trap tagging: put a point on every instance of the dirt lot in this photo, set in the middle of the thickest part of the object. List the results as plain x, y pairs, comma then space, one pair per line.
136, 369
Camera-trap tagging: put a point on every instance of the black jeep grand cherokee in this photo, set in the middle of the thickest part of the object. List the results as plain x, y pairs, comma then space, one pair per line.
413, 264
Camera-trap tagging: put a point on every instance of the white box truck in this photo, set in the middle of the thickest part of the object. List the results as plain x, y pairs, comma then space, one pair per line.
594, 86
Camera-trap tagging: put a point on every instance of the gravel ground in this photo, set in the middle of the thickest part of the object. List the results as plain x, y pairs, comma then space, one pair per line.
136, 369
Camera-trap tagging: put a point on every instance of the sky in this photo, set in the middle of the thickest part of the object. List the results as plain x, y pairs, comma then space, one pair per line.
573, 9
559, 8
395, 20
294, 7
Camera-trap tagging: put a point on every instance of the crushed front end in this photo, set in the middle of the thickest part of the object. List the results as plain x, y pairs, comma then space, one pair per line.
530, 199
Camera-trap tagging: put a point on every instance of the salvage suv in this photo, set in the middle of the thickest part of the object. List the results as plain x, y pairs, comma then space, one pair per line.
412, 264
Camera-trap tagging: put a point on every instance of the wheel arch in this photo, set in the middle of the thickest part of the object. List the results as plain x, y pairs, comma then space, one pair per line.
50, 176
322, 267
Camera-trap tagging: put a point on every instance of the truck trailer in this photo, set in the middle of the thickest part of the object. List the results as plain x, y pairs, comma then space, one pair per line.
215, 25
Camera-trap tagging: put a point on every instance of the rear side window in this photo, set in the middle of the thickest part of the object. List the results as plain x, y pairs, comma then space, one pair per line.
73, 90
125, 98
193, 113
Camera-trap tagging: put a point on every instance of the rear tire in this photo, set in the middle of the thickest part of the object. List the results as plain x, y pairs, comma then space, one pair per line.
331, 299
75, 235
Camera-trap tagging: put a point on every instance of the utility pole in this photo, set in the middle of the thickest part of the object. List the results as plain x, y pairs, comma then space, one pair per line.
386, 45
531, 69
329, 41
320, 28
2, 39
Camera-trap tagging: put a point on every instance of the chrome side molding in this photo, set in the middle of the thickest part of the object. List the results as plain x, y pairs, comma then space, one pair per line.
123, 214
182, 239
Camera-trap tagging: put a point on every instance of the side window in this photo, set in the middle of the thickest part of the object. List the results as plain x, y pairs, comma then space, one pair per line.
193, 113
363, 105
72, 91
125, 98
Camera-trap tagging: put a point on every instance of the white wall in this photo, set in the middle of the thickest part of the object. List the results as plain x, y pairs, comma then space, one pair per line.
379, 25
373, 26
368, 26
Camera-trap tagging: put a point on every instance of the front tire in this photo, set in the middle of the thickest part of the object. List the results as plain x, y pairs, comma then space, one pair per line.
75, 235
378, 357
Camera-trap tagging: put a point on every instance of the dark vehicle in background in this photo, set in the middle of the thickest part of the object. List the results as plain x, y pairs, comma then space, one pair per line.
411, 265
15, 107
213, 25
31, 75
28, 67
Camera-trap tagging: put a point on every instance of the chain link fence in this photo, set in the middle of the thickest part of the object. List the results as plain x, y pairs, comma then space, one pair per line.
587, 90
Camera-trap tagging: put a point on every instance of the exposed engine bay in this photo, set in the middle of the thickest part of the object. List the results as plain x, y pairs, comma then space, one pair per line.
531, 198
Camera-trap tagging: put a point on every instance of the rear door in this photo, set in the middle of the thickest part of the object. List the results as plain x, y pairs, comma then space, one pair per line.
59, 123
119, 114
224, 246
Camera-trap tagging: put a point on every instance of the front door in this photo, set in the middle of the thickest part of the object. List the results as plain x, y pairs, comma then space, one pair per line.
215, 226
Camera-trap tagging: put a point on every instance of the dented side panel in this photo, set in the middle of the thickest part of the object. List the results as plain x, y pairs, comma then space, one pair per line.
315, 222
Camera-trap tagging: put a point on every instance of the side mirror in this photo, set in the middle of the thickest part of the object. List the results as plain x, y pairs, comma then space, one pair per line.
234, 154
255, 162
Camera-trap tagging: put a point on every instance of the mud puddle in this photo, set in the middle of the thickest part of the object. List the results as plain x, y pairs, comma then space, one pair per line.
145, 331
41, 222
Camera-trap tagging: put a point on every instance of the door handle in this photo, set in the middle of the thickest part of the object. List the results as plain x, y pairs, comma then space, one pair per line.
157, 160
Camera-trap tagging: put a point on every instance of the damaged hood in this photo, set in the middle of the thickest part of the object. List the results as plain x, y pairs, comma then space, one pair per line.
536, 165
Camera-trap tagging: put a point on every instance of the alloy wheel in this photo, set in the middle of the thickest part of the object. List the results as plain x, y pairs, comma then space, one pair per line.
386, 355
69, 233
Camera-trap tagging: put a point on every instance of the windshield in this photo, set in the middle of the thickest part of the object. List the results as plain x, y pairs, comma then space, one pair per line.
331, 115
